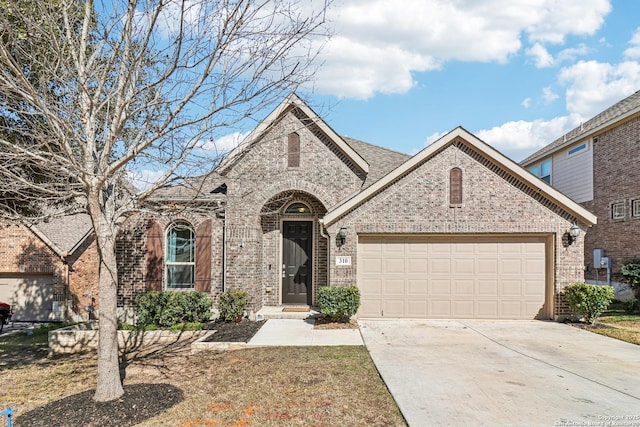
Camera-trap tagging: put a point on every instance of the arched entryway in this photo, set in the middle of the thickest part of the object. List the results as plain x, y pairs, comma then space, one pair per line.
295, 252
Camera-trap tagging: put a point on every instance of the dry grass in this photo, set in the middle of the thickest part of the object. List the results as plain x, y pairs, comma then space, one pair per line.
625, 327
316, 386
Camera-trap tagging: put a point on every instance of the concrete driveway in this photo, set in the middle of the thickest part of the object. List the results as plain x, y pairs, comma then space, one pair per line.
474, 372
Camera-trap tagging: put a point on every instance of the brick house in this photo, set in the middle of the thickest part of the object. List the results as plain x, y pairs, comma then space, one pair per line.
456, 231
49, 271
596, 165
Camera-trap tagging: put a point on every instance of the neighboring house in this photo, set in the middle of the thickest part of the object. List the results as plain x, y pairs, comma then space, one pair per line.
48, 271
596, 165
456, 231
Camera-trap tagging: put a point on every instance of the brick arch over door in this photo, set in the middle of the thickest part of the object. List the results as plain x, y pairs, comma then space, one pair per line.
272, 219
272, 192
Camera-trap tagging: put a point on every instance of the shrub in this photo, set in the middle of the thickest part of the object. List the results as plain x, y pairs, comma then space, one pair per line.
232, 304
589, 300
632, 307
338, 303
630, 272
167, 309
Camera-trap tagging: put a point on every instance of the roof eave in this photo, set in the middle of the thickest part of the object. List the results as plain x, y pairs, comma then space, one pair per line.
569, 205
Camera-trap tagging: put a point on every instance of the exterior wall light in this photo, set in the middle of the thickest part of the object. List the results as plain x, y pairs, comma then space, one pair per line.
574, 232
342, 235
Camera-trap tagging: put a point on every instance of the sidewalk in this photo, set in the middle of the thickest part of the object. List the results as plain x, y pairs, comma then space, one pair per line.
298, 332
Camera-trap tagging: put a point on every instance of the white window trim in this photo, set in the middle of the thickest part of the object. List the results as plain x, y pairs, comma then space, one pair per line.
172, 263
583, 147
635, 208
613, 211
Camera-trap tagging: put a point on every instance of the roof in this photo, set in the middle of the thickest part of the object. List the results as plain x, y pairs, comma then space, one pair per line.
291, 102
461, 134
617, 112
64, 234
381, 160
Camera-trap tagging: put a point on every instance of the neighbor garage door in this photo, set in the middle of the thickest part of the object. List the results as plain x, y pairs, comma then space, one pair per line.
31, 296
452, 277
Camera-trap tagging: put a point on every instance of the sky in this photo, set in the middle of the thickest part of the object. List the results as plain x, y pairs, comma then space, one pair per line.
516, 73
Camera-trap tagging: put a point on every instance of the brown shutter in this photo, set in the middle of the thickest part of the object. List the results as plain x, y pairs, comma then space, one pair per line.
155, 256
455, 186
203, 257
293, 150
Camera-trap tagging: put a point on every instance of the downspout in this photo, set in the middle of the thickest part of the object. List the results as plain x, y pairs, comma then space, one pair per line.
326, 236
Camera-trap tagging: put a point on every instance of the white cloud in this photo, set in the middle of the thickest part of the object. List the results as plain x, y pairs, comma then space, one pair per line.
520, 138
541, 57
633, 51
143, 179
434, 137
593, 86
526, 103
548, 95
379, 44
223, 144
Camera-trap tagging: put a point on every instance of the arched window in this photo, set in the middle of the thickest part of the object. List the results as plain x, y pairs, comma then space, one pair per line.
180, 252
297, 208
293, 150
455, 187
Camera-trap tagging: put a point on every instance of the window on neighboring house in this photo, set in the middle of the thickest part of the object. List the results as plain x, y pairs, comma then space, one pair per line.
577, 149
635, 208
180, 256
455, 187
293, 150
542, 170
617, 210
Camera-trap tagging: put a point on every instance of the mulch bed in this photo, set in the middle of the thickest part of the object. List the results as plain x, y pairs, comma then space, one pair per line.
582, 325
139, 402
241, 331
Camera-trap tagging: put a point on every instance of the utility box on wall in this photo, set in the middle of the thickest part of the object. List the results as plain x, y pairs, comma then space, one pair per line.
598, 254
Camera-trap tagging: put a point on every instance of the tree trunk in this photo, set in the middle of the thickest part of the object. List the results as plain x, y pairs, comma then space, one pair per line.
109, 386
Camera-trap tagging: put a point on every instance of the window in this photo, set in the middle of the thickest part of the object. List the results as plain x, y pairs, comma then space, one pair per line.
635, 208
293, 150
297, 208
617, 210
180, 256
577, 149
542, 170
455, 187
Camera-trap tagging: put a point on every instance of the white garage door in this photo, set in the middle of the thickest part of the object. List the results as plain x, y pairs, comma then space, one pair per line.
31, 297
452, 277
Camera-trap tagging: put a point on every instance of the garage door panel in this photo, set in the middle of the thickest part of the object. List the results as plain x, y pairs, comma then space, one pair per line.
31, 297
440, 265
394, 265
417, 287
451, 277
394, 287
488, 287
440, 287
371, 307
440, 308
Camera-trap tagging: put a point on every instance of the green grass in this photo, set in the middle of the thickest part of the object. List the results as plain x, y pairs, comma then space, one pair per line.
28, 339
625, 326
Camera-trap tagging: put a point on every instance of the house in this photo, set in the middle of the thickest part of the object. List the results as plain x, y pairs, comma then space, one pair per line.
596, 165
456, 231
49, 271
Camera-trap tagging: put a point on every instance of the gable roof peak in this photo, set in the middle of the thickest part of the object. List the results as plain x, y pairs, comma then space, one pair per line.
290, 102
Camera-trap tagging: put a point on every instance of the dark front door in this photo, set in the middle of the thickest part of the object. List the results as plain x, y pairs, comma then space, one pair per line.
296, 259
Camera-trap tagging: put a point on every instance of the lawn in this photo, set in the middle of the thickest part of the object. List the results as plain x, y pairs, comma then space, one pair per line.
624, 326
315, 386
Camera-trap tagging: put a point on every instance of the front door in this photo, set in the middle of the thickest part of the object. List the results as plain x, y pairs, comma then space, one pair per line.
297, 262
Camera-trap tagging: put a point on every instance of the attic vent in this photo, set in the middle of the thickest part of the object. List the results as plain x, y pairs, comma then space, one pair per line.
293, 150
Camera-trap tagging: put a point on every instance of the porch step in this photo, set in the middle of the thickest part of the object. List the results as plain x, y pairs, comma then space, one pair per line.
277, 312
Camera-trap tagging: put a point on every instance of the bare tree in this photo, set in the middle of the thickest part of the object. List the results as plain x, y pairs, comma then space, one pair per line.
91, 92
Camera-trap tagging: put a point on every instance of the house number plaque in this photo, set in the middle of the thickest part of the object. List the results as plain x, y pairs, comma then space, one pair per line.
343, 260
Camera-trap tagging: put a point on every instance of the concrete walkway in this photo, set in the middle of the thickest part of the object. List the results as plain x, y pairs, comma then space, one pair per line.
299, 332
495, 373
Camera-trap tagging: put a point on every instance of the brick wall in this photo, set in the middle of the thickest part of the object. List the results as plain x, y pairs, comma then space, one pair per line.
493, 202
616, 179
83, 278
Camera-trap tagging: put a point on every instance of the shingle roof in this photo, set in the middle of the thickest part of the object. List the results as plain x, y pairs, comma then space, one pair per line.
381, 160
65, 232
616, 111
